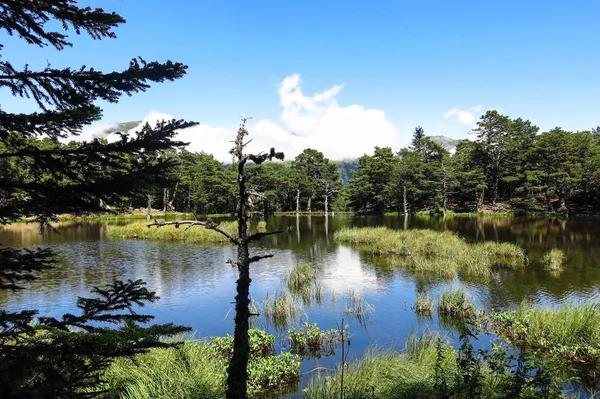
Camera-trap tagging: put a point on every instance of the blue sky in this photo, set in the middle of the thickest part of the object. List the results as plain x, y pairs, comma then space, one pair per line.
384, 67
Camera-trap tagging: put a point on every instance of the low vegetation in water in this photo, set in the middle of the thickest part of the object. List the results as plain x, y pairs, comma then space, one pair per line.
281, 309
197, 369
569, 334
195, 234
261, 344
427, 251
455, 303
301, 279
424, 305
310, 341
358, 307
553, 261
429, 368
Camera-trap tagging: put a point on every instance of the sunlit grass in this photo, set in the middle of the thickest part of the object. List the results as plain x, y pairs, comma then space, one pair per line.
456, 303
197, 369
427, 251
424, 304
383, 374
301, 278
571, 332
553, 261
195, 234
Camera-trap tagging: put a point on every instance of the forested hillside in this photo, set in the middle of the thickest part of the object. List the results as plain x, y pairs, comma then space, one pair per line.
510, 166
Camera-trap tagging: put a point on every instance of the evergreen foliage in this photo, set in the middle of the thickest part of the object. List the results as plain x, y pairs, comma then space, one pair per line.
42, 177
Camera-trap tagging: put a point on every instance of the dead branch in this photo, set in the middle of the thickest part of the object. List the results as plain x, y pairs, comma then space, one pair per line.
209, 224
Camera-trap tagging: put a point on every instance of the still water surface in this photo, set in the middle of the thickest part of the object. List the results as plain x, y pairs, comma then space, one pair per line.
197, 287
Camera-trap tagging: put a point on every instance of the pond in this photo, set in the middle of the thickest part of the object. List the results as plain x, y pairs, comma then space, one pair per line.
197, 287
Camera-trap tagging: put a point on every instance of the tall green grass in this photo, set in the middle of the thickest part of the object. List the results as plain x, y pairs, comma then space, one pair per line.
301, 279
432, 252
195, 234
281, 309
456, 303
197, 369
431, 369
570, 333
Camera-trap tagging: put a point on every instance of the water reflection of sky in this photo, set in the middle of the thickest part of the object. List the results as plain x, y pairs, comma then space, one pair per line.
197, 287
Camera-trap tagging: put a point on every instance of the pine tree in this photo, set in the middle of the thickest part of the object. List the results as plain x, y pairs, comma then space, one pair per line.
40, 178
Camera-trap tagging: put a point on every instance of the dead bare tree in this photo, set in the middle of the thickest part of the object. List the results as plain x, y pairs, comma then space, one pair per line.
237, 375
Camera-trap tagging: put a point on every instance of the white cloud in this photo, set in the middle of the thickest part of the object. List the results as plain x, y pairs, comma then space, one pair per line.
466, 117
315, 121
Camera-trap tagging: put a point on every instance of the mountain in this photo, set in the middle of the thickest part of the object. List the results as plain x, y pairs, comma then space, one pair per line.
446, 142
345, 168
124, 127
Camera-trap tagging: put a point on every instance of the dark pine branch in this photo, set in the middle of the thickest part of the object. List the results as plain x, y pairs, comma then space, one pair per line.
28, 18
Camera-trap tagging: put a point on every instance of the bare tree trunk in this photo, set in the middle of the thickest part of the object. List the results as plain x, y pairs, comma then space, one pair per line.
326, 203
165, 199
297, 202
237, 372
495, 189
149, 208
479, 200
563, 205
170, 207
309, 204
405, 202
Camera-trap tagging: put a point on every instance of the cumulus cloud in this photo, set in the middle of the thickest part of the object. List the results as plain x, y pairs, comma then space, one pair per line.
307, 121
467, 117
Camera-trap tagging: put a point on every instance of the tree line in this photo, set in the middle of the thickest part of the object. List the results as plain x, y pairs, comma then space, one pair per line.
509, 166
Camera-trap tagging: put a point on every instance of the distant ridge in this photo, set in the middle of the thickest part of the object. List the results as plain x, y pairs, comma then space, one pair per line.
446, 142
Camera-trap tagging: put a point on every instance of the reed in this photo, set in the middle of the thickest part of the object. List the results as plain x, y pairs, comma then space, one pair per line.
424, 304
431, 252
569, 333
553, 261
197, 369
456, 303
196, 234
281, 309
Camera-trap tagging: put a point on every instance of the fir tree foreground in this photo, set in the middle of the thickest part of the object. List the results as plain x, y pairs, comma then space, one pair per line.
41, 177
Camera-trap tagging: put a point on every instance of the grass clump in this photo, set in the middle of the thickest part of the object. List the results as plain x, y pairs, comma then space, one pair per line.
429, 368
281, 309
196, 234
309, 340
301, 279
358, 307
568, 334
432, 252
424, 304
455, 303
553, 261
197, 369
